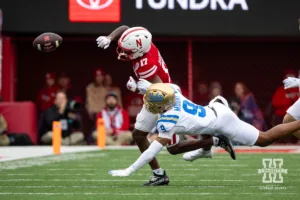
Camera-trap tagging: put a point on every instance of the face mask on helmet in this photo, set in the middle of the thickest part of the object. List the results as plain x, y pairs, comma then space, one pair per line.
128, 54
155, 109
124, 54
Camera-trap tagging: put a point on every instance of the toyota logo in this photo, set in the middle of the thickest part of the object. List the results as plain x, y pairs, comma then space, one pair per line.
94, 4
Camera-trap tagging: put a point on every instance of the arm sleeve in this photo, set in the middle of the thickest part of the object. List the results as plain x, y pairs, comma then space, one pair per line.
146, 157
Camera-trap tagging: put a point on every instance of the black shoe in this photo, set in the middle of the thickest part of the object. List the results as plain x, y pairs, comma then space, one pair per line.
158, 180
225, 143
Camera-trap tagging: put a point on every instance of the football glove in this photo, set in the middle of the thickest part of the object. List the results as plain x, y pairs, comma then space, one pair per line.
131, 84
122, 172
291, 82
143, 85
103, 42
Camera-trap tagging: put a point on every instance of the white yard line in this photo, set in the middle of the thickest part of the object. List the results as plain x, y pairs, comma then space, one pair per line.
210, 165
167, 169
135, 194
99, 169
16, 153
102, 186
49, 160
73, 169
60, 186
107, 193
249, 174
111, 186
88, 174
110, 180
51, 174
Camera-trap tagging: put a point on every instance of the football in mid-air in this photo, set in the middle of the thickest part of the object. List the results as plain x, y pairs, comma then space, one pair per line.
47, 42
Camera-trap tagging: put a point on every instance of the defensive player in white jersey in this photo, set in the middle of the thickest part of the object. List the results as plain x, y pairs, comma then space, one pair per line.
181, 116
293, 113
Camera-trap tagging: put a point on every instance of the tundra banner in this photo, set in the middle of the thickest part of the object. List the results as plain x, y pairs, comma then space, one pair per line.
162, 17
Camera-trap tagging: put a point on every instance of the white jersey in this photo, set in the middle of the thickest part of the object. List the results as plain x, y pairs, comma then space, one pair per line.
145, 121
187, 118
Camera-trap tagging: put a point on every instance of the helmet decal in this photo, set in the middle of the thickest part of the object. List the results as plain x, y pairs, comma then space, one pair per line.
138, 43
156, 97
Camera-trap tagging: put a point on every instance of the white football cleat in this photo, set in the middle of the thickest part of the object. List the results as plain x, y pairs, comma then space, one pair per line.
199, 153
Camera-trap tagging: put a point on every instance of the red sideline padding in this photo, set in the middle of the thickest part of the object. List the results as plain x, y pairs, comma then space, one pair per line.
20, 118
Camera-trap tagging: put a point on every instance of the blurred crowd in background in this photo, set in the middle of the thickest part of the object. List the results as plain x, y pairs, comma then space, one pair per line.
243, 101
57, 100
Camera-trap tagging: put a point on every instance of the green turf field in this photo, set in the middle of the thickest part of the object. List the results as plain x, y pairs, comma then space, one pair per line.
85, 176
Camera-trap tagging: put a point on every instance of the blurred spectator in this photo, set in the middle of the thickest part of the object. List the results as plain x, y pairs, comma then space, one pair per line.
12, 139
47, 95
3, 124
62, 111
283, 99
134, 104
235, 105
183, 89
108, 83
201, 94
116, 121
95, 93
4, 139
215, 89
249, 108
0, 96
65, 85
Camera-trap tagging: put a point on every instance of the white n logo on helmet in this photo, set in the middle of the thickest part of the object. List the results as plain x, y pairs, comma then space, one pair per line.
94, 4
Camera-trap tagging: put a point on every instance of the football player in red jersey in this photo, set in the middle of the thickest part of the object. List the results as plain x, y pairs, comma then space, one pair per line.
135, 44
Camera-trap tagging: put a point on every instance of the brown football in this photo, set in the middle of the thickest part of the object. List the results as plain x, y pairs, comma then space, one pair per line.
47, 42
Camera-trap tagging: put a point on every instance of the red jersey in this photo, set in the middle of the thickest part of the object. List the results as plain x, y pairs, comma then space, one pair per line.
46, 97
117, 119
150, 65
283, 99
